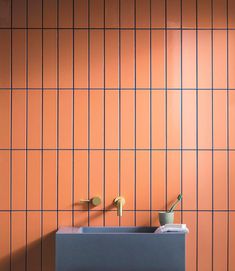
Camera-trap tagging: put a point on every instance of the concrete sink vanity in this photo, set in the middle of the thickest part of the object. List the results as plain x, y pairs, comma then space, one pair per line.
119, 249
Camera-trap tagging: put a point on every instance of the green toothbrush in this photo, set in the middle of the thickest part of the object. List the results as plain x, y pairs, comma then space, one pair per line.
179, 198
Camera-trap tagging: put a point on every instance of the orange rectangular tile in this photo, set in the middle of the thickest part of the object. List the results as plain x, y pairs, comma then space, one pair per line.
220, 119
127, 59
204, 241
18, 58
5, 109
231, 58
96, 58
111, 219
127, 119
65, 13
204, 14
5, 185
34, 180
49, 119
189, 218
96, 118
231, 11
158, 119
111, 178
65, 180
177, 218
80, 179
155, 219
111, 119
49, 13
142, 119
48, 241
65, 119
220, 241
34, 58
111, 59
5, 56
204, 119
204, 59
158, 13
173, 119
5, 241
65, 59
189, 59
128, 219
173, 58
96, 171
231, 181
96, 13
127, 13
33, 241
35, 13
189, 185
18, 13
81, 59
18, 118
189, 119
34, 119
49, 59
18, 237
173, 177
18, 180
143, 219
204, 180
49, 180
219, 59
112, 13
142, 59
219, 13
80, 119
142, 180
65, 219
80, 13
231, 109
173, 13
5, 14
96, 218
127, 179
143, 13
158, 59
189, 13
158, 190
231, 241
81, 219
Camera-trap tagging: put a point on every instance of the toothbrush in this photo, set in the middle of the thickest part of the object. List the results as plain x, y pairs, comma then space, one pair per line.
179, 198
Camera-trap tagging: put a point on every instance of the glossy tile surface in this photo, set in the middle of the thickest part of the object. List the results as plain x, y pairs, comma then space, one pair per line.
109, 97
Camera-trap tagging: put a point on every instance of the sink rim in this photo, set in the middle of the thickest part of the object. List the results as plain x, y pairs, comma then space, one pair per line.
107, 230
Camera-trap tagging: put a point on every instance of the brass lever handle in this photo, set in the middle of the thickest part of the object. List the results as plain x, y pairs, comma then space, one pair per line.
95, 201
119, 202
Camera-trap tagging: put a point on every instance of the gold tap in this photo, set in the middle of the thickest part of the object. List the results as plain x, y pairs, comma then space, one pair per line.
119, 202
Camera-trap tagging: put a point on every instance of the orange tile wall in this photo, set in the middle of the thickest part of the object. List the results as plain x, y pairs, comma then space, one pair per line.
109, 97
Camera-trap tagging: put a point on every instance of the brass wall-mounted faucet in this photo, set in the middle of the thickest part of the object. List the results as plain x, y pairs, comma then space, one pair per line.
119, 202
95, 201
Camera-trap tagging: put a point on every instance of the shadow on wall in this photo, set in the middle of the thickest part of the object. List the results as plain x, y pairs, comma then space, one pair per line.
40, 254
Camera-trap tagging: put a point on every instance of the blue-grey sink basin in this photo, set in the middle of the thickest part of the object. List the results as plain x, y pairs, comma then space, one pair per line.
108, 230
119, 249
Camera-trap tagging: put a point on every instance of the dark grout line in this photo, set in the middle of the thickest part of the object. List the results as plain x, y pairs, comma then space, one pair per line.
114, 89
121, 28
114, 210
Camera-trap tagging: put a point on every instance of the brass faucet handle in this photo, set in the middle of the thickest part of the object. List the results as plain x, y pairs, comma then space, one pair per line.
95, 201
119, 202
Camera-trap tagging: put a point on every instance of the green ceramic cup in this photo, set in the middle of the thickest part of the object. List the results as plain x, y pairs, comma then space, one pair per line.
166, 218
